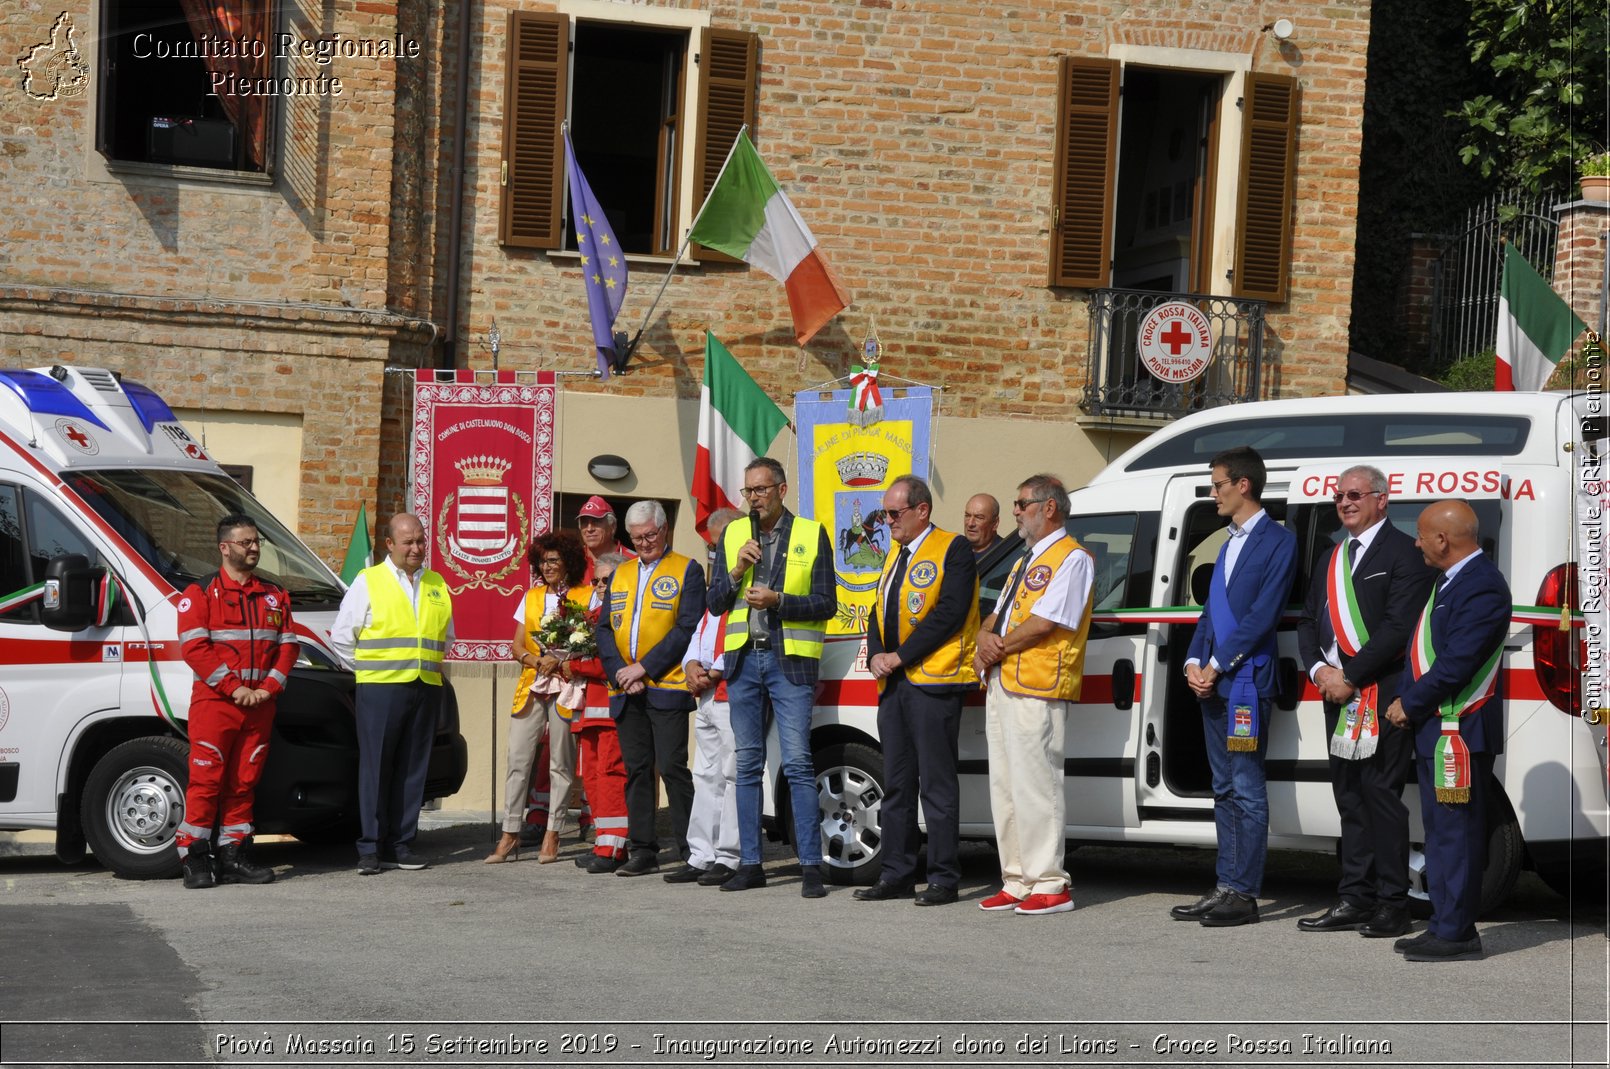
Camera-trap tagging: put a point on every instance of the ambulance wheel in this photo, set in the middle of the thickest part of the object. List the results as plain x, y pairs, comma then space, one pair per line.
133, 805
849, 789
1505, 853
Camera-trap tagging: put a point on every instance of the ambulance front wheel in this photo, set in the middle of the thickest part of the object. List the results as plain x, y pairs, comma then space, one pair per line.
133, 804
849, 790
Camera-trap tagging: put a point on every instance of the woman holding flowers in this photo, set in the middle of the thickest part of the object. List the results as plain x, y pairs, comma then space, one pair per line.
551, 627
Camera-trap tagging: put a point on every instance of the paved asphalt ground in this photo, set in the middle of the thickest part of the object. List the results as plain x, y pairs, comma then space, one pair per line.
510, 964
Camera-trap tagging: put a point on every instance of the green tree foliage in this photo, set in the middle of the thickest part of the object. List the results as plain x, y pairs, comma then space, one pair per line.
1541, 105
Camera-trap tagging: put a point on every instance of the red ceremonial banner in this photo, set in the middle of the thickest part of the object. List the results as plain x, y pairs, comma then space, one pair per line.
483, 487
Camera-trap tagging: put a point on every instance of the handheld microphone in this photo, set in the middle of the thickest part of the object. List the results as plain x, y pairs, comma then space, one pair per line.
754, 523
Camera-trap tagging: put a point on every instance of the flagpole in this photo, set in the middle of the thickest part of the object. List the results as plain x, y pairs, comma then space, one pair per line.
686, 241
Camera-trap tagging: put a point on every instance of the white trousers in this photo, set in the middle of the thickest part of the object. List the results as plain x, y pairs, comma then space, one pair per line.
1025, 738
713, 821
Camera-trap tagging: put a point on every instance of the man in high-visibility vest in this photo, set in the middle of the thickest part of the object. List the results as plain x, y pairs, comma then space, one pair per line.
775, 583
393, 630
920, 644
654, 606
1031, 652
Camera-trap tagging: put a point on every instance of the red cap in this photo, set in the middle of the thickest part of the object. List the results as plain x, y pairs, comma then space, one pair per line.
596, 508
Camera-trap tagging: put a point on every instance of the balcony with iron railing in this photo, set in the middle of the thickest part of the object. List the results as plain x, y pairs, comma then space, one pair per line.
1118, 385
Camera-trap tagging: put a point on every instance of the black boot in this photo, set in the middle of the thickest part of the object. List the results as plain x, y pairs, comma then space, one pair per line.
198, 865
235, 867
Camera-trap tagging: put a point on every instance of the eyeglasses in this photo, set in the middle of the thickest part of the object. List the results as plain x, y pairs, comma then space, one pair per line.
244, 543
647, 536
758, 491
1222, 483
1024, 502
551, 560
1353, 495
895, 514
602, 580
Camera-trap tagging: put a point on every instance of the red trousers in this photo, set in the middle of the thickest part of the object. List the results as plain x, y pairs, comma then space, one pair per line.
228, 748
603, 774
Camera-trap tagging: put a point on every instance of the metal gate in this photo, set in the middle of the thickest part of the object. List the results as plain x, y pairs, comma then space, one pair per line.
1467, 275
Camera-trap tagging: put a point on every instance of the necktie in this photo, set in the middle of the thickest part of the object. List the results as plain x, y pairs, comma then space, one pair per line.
1355, 549
891, 603
1011, 592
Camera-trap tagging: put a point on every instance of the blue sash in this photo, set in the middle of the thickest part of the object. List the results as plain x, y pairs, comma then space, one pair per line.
1244, 720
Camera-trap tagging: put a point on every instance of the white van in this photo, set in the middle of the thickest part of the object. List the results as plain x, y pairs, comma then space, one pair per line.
1136, 768
108, 509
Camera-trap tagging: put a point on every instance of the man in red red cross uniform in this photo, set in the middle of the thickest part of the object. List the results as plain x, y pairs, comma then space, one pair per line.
235, 634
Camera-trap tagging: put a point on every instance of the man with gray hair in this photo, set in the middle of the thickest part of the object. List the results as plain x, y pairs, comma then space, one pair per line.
1363, 601
655, 603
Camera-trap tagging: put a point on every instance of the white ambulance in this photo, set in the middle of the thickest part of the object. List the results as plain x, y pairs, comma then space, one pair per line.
1136, 768
108, 509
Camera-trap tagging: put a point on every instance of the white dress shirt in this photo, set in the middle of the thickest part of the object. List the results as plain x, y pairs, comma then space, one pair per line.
357, 612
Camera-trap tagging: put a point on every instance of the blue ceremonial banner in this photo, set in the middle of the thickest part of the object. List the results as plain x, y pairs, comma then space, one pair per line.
603, 265
844, 470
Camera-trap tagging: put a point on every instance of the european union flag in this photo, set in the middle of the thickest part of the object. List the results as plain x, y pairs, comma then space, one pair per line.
603, 265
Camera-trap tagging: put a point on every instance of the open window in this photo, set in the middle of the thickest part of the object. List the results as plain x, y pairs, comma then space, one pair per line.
650, 147
1139, 179
182, 82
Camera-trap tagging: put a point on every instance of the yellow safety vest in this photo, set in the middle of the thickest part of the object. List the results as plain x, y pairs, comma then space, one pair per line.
801, 638
398, 646
655, 617
952, 662
1054, 667
536, 603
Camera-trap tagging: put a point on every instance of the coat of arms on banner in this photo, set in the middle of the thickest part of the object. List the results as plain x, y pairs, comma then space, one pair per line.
486, 529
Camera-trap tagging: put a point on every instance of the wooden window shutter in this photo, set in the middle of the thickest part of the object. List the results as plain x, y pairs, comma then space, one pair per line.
1268, 176
1087, 140
729, 62
533, 171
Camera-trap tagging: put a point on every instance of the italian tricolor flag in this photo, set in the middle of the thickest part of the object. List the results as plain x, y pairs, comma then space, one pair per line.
1535, 327
748, 216
737, 423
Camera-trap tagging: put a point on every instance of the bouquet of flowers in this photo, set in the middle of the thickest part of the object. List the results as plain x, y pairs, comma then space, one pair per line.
566, 632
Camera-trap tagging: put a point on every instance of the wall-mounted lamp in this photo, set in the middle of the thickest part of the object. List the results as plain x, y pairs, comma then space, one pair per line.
607, 467
1282, 28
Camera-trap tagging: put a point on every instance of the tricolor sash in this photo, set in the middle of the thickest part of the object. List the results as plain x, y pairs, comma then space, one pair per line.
1358, 729
1450, 763
1243, 724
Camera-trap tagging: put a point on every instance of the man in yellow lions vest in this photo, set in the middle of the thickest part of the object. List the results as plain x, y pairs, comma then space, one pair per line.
393, 630
1031, 650
655, 603
920, 648
776, 584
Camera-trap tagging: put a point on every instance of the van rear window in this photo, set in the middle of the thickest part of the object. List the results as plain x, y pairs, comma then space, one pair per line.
1349, 435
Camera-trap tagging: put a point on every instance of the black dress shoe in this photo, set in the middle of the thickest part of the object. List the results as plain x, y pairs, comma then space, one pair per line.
599, 864
585, 860
1389, 920
639, 865
811, 883
1403, 946
715, 875
1198, 909
882, 892
1342, 917
747, 877
685, 874
935, 895
1434, 949
1236, 909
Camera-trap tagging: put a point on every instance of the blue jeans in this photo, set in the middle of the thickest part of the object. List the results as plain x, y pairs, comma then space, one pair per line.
759, 675
1240, 800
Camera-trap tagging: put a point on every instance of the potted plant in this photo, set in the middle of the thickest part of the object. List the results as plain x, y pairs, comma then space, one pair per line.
1595, 178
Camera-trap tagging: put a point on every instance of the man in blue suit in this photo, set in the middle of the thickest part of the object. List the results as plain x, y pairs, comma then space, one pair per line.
1452, 703
1231, 670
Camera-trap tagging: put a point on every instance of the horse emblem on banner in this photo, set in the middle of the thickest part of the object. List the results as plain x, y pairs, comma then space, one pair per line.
486, 538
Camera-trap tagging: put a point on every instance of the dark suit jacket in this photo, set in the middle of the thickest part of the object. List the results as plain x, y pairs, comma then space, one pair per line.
665, 654
820, 604
1257, 591
994, 566
947, 617
1470, 620
1391, 581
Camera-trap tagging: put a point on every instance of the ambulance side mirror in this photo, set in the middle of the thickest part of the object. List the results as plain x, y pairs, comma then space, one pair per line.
69, 601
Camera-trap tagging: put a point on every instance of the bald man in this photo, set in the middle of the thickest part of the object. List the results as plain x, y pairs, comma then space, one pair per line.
393, 630
1451, 702
993, 556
